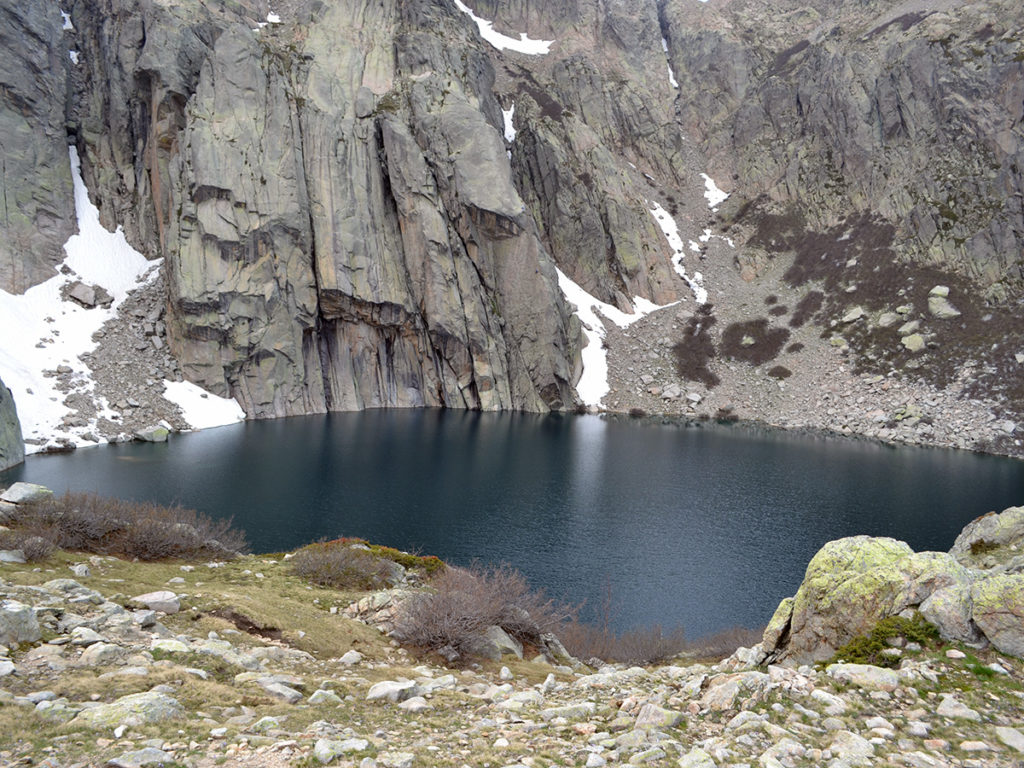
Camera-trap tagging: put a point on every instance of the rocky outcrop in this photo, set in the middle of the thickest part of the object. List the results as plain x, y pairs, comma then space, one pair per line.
907, 110
37, 212
974, 594
12, 448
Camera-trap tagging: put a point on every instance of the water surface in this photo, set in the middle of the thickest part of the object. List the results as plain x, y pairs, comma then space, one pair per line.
704, 527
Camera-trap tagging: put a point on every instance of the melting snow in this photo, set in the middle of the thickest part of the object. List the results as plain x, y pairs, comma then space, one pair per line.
675, 242
510, 129
201, 408
671, 74
67, 20
504, 42
42, 330
711, 191
593, 384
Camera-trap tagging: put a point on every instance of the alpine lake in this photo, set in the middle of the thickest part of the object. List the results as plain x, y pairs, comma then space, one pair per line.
707, 527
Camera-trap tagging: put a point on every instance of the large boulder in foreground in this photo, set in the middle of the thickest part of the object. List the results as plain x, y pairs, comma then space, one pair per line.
12, 448
852, 584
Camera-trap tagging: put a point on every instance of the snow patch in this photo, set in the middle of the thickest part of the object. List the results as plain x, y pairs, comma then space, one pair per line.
510, 129
671, 231
67, 20
711, 191
42, 331
668, 62
504, 42
73, 55
202, 409
273, 18
593, 384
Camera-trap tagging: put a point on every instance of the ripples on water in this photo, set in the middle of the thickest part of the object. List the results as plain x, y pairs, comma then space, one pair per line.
704, 527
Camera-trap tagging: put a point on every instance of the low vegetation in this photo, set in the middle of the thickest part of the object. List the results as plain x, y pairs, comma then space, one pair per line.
464, 602
871, 648
86, 522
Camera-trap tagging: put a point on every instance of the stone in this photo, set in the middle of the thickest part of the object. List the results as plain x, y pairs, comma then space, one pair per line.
865, 676
163, 601
133, 710
853, 315
351, 658
325, 750
18, 624
85, 636
1011, 737
415, 704
396, 759
101, 654
998, 611
325, 697
696, 758
394, 691
81, 570
16, 556
849, 746
282, 691
952, 707
25, 493
988, 534
152, 434
887, 319
913, 342
653, 716
494, 644
724, 693
169, 645
570, 711
141, 758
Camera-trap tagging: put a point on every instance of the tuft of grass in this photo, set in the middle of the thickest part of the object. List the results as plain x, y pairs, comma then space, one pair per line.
341, 564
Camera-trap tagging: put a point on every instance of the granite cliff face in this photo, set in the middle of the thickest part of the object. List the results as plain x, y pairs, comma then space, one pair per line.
349, 220
12, 449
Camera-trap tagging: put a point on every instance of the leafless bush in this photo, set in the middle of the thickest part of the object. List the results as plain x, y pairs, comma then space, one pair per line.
639, 646
723, 643
341, 565
466, 601
34, 548
90, 523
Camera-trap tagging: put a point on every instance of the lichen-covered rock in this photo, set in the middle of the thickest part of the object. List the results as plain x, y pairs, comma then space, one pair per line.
12, 448
18, 624
133, 710
988, 535
998, 611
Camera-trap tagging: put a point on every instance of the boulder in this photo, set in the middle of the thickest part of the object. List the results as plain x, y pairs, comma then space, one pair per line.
18, 624
998, 611
25, 493
989, 533
152, 435
495, 643
133, 710
865, 676
12, 448
163, 600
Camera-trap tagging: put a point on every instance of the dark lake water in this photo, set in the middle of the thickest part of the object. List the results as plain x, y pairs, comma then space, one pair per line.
704, 527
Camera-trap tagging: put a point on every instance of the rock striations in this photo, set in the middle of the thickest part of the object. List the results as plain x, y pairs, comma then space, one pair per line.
12, 449
368, 204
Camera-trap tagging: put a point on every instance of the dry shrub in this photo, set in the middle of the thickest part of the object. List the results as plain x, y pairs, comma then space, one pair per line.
651, 645
341, 565
34, 548
464, 602
696, 349
90, 523
725, 642
767, 341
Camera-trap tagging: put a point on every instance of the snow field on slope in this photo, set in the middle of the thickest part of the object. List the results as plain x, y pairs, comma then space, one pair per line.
504, 42
40, 330
593, 384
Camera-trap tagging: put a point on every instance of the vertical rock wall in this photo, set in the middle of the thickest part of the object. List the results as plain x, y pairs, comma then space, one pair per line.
12, 449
